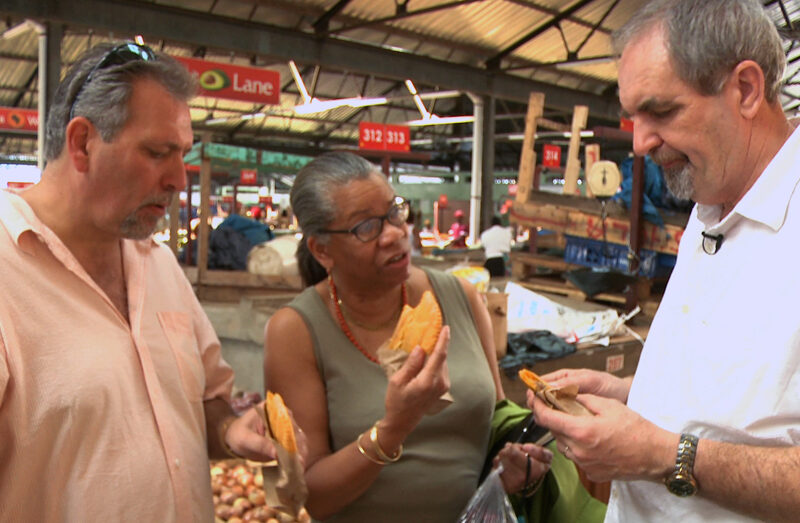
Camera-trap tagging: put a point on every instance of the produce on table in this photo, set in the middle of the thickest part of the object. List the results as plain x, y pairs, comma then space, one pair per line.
238, 490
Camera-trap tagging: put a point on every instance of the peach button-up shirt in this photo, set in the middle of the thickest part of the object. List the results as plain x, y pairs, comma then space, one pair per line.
101, 420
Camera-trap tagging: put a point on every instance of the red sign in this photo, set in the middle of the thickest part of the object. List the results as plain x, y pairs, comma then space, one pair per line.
626, 125
23, 120
249, 84
18, 185
248, 176
551, 155
383, 137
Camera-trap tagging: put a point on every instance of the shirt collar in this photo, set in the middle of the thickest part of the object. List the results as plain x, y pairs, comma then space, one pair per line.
767, 201
18, 218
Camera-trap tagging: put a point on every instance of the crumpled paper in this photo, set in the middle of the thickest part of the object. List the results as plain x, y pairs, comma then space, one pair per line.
285, 487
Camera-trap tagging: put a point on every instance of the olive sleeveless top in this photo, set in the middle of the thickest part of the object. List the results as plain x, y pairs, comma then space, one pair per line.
443, 456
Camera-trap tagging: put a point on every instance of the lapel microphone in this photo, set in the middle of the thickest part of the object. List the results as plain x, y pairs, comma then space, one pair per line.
711, 243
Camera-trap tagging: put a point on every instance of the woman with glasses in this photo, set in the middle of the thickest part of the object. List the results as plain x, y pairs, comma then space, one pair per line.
374, 455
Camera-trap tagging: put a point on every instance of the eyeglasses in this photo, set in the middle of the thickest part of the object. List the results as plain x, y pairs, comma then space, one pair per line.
119, 55
371, 228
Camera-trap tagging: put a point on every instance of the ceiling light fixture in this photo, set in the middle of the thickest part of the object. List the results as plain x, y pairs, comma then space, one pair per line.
574, 61
417, 100
299, 81
318, 106
441, 120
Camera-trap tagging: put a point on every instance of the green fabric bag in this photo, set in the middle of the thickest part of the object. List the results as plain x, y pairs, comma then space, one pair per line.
562, 497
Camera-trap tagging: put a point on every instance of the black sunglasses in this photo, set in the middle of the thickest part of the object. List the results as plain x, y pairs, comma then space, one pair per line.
369, 229
119, 55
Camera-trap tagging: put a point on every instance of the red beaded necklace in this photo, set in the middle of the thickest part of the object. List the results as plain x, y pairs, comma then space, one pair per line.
343, 323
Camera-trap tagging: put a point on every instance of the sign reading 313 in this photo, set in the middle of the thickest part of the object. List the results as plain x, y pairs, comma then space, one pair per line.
383, 137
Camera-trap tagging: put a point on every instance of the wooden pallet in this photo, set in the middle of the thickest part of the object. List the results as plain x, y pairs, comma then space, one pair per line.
541, 273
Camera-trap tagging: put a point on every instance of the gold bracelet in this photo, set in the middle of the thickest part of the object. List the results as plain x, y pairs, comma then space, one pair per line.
364, 452
223, 430
373, 437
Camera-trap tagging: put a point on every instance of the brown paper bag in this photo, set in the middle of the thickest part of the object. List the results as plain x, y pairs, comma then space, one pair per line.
285, 487
561, 398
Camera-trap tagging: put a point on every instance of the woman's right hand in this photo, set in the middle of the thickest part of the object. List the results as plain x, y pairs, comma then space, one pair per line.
414, 388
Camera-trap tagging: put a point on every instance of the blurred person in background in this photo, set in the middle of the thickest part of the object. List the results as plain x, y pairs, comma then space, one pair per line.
458, 230
708, 429
496, 242
374, 455
113, 390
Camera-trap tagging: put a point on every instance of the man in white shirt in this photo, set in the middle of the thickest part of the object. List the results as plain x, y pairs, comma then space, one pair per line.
496, 242
714, 409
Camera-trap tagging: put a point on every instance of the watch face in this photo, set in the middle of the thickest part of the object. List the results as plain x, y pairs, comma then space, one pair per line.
681, 487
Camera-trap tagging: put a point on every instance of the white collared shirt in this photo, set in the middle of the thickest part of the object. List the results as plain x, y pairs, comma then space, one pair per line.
496, 241
722, 359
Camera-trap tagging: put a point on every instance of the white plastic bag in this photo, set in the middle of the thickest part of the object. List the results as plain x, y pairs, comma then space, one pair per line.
489, 504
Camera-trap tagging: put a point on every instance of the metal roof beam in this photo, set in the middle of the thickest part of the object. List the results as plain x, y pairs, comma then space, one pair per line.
403, 14
321, 24
196, 28
494, 62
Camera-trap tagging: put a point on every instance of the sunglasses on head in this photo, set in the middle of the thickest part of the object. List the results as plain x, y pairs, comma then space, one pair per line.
119, 55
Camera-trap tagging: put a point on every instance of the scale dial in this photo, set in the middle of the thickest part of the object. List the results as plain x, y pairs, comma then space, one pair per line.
604, 179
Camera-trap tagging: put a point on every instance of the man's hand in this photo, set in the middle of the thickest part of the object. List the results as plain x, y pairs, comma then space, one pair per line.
246, 436
591, 382
615, 443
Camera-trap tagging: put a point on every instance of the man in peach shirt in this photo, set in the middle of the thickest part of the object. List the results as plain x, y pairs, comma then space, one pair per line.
113, 391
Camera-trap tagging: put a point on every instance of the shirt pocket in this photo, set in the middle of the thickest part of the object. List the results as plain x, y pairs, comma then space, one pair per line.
180, 336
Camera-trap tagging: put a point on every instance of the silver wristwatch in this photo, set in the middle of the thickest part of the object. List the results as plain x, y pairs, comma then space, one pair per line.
681, 482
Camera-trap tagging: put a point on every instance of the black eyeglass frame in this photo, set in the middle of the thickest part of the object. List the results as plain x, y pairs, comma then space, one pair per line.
119, 55
397, 216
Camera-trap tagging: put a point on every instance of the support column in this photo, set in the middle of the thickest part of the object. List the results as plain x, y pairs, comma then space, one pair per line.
477, 167
487, 183
49, 74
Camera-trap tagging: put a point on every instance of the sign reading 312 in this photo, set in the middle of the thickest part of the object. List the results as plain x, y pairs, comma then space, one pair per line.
383, 137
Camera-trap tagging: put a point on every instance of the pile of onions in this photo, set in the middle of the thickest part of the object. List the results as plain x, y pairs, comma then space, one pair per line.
239, 494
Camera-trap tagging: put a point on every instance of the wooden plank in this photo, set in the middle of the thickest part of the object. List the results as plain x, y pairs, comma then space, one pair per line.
635, 241
539, 260
554, 286
585, 223
553, 126
527, 162
579, 119
592, 155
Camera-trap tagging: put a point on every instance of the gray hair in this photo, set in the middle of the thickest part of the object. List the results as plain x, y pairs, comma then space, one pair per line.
313, 205
707, 39
104, 100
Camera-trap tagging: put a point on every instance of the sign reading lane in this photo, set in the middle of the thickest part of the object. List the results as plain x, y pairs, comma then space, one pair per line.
384, 137
21, 120
249, 84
